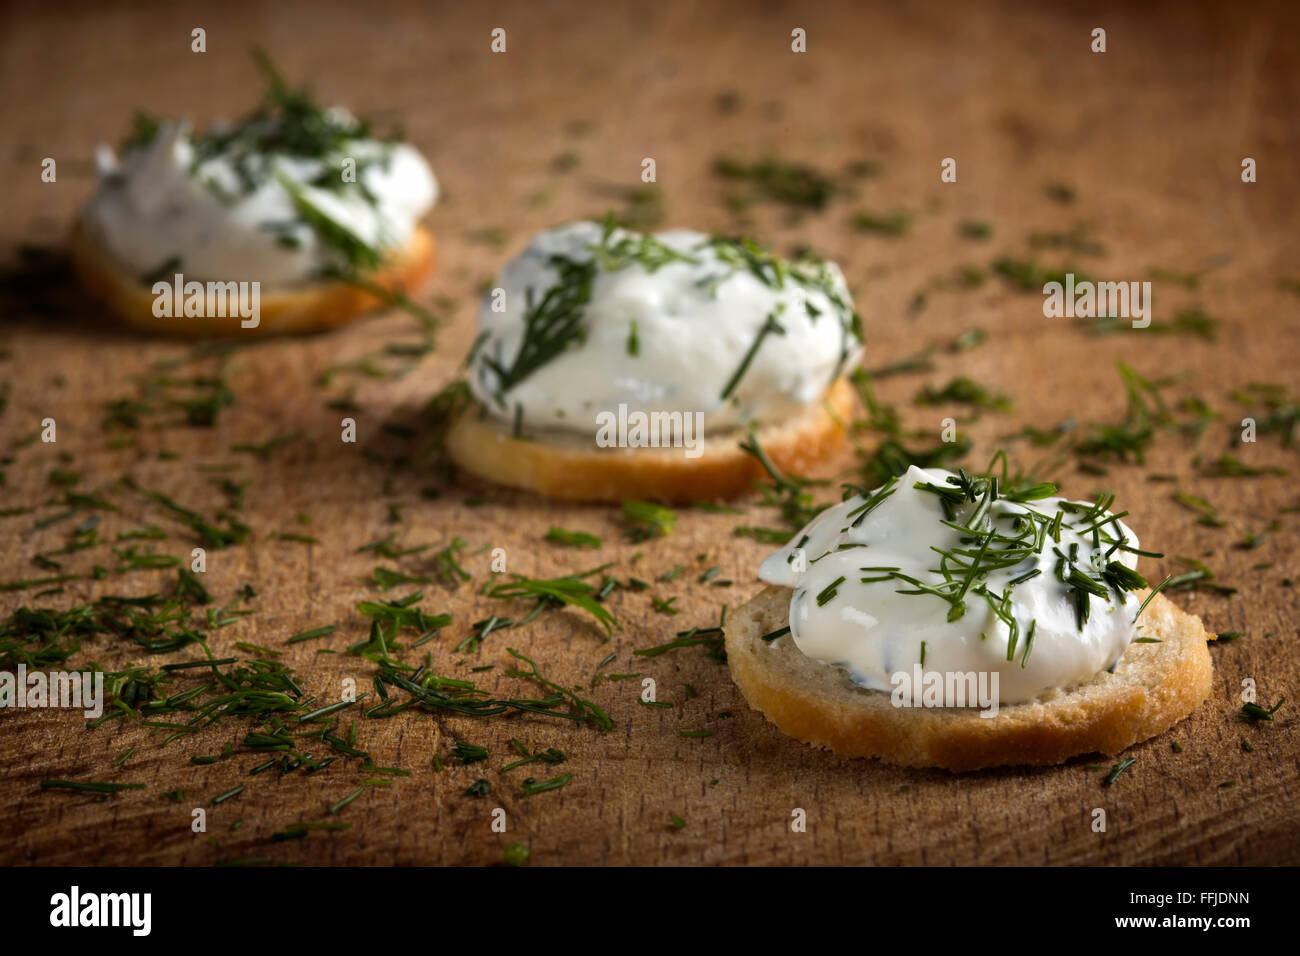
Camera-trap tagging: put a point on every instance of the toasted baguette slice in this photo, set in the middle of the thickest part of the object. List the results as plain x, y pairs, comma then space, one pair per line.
1153, 687
570, 466
292, 308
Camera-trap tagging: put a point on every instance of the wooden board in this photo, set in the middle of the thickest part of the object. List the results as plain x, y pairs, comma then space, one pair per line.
1149, 135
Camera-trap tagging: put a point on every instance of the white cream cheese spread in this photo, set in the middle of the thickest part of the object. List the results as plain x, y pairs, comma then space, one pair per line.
278, 199
945, 571
588, 318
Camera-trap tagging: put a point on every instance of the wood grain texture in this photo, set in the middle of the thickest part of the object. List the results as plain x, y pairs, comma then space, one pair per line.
1150, 135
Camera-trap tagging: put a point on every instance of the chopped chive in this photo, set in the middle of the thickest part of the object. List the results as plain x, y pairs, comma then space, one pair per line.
1117, 770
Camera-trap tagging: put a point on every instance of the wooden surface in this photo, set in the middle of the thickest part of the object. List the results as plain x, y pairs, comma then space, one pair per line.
1149, 135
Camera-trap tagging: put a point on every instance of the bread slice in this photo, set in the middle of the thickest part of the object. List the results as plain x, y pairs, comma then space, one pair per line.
1152, 688
571, 466
308, 307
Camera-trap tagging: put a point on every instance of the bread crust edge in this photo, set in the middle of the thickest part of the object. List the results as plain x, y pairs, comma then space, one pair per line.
311, 307
1153, 687
573, 469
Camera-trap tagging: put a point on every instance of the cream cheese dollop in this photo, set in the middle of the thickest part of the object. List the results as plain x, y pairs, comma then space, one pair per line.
667, 324
156, 204
874, 631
